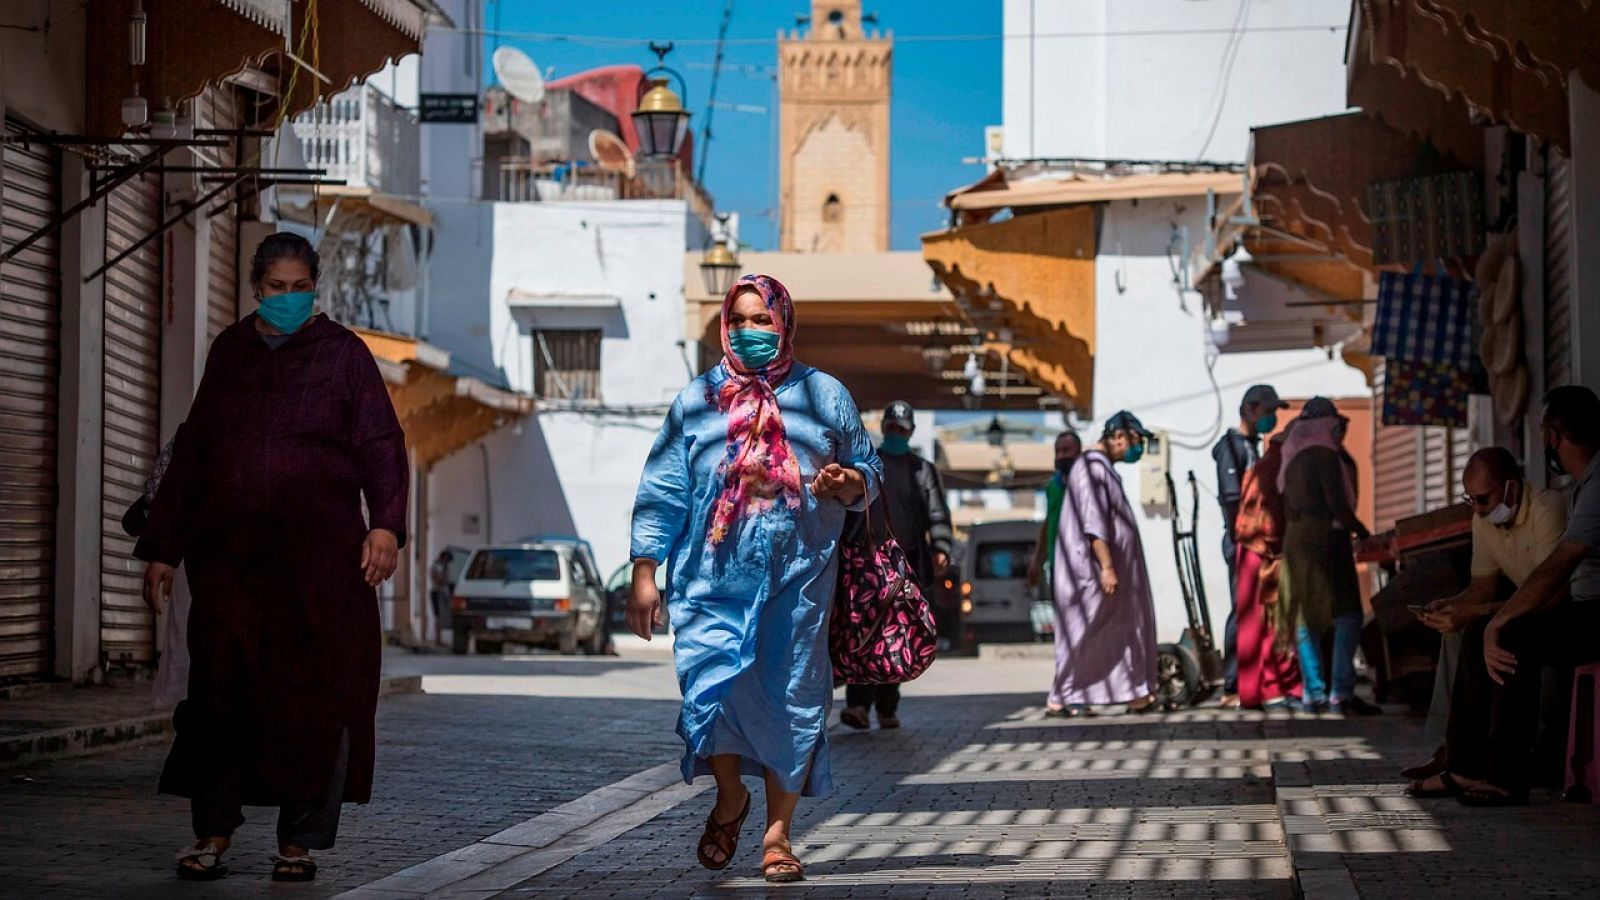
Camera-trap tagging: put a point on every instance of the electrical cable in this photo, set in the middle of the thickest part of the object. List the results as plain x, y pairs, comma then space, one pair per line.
1231, 55
613, 41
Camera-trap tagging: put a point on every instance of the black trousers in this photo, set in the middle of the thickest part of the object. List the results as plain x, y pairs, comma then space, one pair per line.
1230, 631
313, 825
1492, 727
885, 698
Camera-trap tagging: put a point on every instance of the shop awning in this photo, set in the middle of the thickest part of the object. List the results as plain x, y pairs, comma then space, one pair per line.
1311, 176
973, 462
1480, 51
999, 190
1031, 275
195, 43
440, 412
351, 207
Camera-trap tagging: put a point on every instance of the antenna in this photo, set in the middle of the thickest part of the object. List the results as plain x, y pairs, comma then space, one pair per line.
517, 72
611, 152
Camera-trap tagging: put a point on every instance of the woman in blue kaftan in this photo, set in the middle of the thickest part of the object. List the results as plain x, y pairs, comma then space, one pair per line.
743, 499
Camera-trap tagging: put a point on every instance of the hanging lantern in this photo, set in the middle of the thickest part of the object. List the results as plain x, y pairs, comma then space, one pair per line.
660, 118
719, 267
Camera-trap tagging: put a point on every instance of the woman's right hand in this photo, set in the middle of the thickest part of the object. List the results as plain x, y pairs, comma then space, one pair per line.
644, 601
1108, 581
157, 585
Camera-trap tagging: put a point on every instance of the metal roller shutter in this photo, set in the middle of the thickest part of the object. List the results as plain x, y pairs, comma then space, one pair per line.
132, 412
30, 333
1558, 270
219, 108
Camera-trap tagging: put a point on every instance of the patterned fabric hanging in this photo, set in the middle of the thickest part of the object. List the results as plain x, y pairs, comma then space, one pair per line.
1419, 393
1427, 218
1427, 319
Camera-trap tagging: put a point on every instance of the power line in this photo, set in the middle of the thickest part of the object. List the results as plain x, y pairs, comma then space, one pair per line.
613, 41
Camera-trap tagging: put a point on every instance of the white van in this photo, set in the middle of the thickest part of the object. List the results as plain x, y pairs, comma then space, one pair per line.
994, 580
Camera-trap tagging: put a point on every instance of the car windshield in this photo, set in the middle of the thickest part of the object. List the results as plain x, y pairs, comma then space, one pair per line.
515, 565
1006, 559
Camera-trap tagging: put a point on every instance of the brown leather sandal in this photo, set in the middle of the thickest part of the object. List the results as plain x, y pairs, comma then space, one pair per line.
781, 867
722, 836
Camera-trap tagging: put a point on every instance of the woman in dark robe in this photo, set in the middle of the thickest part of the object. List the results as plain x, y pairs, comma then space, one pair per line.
290, 430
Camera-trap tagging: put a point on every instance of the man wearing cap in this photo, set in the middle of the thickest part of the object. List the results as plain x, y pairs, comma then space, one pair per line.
1235, 454
1105, 614
912, 501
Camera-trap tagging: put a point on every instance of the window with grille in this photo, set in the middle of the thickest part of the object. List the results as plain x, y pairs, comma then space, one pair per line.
566, 364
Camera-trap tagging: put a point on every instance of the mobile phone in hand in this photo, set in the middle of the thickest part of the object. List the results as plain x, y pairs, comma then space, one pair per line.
1417, 609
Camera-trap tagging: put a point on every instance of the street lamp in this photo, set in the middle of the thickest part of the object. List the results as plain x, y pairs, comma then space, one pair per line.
660, 119
720, 268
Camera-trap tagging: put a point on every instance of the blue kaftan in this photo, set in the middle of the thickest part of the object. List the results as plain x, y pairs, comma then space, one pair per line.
751, 616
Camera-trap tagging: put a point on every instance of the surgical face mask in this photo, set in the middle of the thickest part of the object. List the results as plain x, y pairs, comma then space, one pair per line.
754, 347
287, 312
1135, 452
1064, 465
1266, 423
1502, 514
896, 444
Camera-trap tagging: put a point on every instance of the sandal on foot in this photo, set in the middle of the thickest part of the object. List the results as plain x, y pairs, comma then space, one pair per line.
722, 836
293, 868
1434, 766
1452, 788
1491, 799
781, 867
201, 863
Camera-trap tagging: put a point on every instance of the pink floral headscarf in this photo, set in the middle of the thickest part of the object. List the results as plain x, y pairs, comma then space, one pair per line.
759, 469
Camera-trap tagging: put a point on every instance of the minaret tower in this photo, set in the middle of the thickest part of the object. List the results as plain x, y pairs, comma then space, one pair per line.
834, 132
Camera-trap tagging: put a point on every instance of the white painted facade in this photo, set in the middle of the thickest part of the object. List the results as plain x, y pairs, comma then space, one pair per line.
572, 468
1156, 98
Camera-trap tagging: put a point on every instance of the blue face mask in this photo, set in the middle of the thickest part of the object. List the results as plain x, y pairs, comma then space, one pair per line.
754, 347
1266, 423
287, 312
895, 445
1134, 453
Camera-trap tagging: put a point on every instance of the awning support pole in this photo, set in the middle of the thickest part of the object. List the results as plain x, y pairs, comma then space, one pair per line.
178, 217
126, 173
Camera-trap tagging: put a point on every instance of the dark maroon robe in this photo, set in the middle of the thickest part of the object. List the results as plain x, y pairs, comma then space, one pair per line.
263, 502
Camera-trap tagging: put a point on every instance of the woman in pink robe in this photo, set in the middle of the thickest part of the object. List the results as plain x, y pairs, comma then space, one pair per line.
1105, 615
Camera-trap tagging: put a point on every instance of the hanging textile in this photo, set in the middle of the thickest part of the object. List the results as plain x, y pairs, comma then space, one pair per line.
1426, 318
1419, 393
1427, 218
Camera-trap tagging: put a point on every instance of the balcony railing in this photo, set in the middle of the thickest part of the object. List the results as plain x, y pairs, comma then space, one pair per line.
360, 136
522, 181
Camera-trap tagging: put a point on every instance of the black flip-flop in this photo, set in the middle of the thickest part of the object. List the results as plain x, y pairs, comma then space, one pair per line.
1452, 788
1491, 800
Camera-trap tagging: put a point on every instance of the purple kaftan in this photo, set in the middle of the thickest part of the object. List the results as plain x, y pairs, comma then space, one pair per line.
1105, 646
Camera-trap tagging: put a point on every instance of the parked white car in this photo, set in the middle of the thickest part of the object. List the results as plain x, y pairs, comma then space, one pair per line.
539, 592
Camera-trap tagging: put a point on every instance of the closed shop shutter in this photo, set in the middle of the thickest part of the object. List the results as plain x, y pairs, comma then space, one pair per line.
219, 108
133, 290
1558, 270
30, 346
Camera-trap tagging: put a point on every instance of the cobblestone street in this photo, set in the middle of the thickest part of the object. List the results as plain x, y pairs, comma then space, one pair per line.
550, 777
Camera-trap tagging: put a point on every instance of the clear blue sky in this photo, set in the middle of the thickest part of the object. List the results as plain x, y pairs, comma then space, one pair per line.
945, 92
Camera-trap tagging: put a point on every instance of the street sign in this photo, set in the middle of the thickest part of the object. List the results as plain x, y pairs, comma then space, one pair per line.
459, 109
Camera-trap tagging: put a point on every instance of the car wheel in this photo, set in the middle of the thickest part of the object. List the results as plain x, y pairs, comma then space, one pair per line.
1177, 675
596, 644
460, 639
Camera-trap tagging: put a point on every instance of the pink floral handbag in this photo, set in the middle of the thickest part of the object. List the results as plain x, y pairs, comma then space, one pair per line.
881, 631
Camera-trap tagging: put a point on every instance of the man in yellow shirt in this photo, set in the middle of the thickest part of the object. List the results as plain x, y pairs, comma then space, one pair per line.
1515, 526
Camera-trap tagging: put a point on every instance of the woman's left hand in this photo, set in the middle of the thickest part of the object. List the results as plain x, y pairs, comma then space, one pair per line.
380, 553
841, 482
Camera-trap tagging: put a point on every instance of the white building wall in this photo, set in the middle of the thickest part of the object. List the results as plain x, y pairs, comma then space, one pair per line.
571, 469
1151, 359
1157, 97
1121, 95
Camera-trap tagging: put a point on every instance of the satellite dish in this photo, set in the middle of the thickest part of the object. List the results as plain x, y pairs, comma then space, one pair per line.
516, 71
611, 152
